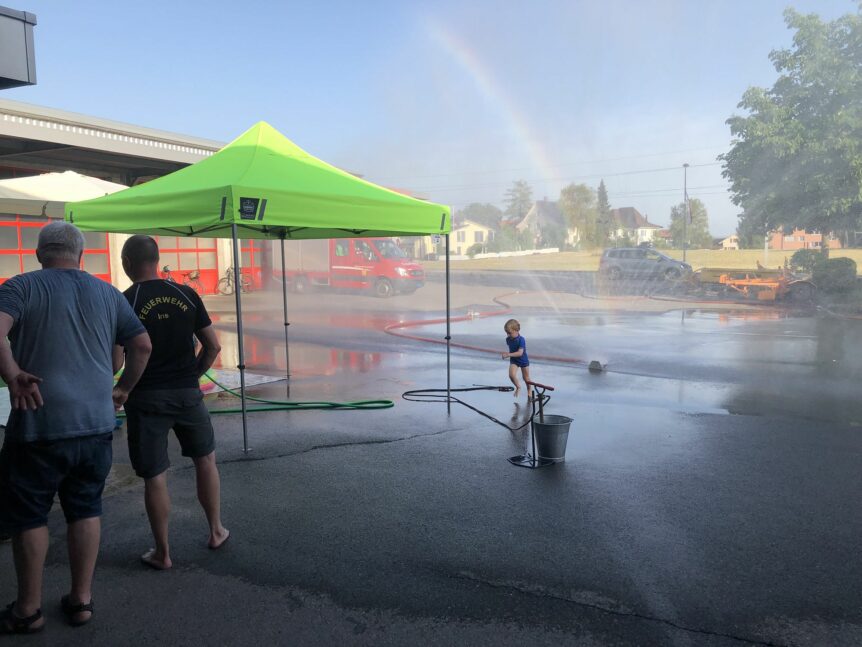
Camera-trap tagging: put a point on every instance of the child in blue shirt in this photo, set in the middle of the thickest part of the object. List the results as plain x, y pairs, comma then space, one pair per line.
517, 356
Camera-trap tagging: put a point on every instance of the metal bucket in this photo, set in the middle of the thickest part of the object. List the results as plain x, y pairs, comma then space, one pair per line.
552, 436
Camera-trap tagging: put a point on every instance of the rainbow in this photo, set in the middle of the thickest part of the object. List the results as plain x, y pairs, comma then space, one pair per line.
518, 124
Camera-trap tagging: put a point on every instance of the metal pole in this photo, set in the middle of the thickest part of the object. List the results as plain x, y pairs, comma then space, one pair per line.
241, 366
286, 324
685, 210
535, 456
448, 337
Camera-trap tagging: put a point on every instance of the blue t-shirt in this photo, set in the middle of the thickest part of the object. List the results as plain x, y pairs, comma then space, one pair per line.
66, 325
514, 344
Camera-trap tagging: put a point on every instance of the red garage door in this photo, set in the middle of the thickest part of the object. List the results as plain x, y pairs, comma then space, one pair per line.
251, 252
192, 261
19, 236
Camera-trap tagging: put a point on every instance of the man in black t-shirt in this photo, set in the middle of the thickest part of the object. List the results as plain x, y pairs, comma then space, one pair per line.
168, 395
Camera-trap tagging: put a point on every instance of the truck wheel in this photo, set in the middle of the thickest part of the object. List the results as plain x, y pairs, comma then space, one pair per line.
383, 288
801, 292
614, 274
671, 274
300, 285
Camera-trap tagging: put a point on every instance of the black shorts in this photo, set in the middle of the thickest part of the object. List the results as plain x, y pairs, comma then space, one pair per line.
31, 473
152, 414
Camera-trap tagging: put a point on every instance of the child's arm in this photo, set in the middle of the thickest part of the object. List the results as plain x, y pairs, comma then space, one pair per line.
522, 346
517, 353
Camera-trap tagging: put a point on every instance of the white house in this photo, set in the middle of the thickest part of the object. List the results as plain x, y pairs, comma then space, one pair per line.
628, 221
545, 215
731, 242
467, 234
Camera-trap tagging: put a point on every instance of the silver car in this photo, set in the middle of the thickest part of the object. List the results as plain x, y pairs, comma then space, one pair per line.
640, 262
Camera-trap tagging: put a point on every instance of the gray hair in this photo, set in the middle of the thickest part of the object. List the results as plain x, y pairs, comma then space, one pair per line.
60, 241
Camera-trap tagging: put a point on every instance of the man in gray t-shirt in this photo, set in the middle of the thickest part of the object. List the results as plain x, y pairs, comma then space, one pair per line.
62, 324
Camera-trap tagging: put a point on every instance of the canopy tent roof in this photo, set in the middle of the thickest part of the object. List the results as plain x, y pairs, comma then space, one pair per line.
46, 194
269, 188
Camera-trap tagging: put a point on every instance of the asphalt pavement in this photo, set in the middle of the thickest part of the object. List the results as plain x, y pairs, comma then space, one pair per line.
709, 494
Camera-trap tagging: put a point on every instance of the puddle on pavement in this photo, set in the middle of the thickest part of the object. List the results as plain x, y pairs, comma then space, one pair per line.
753, 362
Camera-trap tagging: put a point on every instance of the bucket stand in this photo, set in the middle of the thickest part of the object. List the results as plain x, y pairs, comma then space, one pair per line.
533, 461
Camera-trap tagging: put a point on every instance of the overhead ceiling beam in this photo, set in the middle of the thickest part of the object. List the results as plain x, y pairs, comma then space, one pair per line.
31, 150
41, 164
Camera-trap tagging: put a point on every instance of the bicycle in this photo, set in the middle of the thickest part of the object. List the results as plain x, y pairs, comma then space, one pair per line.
191, 278
166, 274
225, 284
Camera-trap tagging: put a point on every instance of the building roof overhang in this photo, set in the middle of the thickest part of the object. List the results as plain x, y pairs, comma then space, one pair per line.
35, 138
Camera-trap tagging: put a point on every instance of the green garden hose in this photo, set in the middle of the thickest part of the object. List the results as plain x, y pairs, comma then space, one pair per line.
285, 405
278, 405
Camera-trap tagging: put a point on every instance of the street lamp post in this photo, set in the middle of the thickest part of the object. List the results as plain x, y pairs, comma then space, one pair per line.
685, 209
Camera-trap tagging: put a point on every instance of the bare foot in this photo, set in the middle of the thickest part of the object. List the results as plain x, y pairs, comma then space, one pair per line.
218, 539
517, 391
155, 561
529, 395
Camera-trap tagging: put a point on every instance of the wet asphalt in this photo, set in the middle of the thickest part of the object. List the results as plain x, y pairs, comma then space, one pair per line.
709, 494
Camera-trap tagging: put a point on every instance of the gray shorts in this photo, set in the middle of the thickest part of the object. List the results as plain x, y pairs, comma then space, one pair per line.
152, 414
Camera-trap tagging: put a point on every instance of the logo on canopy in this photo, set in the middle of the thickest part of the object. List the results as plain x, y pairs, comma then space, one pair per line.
248, 208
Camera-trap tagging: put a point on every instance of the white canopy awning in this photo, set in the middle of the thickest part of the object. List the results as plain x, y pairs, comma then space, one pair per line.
47, 194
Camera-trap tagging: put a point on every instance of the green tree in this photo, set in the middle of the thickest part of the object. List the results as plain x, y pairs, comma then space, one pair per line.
604, 225
480, 213
697, 228
580, 209
518, 200
751, 234
796, 158
511, 240
553, 236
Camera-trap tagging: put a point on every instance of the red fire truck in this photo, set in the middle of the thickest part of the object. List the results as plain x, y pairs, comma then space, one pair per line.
376, 265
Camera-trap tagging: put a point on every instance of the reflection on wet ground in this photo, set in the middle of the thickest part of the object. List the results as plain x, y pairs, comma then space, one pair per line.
263, 355
764, 361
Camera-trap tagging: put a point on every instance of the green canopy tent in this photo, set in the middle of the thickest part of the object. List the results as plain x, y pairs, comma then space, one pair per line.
262, 185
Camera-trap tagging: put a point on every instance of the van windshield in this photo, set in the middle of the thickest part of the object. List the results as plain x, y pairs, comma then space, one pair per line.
388, 249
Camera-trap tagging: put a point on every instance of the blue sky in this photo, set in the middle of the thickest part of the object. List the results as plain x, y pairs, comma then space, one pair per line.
451, 99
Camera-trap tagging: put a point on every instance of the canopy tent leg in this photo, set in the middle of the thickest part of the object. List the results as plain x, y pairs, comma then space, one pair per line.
448, 337
237, 289
286, 324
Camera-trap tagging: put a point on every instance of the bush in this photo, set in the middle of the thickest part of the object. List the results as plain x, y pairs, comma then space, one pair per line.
805, 260
474, 249
835, 274
553, 236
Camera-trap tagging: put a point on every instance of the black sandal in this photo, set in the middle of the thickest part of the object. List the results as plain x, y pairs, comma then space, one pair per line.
12, 624
71, 610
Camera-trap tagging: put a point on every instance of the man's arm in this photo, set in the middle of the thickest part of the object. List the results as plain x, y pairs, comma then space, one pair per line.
23, 387
138, 350
210, 348
118, 358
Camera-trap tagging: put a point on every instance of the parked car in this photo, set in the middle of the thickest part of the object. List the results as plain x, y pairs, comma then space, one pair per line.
377, 265
640, 262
